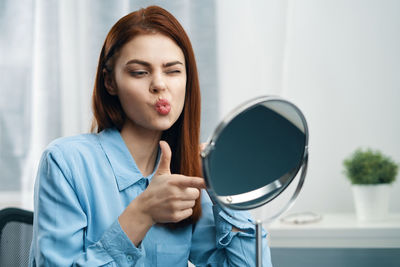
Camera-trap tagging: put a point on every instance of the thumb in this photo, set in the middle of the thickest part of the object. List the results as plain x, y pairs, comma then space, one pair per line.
165, 159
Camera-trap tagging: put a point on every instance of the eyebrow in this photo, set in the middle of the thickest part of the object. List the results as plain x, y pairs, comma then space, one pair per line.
137, 61
147, 64
169, 64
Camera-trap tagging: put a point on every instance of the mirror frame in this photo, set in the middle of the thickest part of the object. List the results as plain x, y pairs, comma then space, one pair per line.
279, 185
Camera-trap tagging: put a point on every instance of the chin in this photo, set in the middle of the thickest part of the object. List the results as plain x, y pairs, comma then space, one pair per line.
162, 126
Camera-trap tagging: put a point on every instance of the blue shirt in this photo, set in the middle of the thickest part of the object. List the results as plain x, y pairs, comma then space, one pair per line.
85, 182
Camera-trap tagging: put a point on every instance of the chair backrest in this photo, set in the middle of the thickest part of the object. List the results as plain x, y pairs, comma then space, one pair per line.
15, 236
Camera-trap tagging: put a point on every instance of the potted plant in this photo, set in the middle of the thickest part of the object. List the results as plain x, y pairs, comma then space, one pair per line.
371, 174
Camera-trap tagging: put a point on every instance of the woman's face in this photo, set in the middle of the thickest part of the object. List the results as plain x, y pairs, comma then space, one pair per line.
150, 81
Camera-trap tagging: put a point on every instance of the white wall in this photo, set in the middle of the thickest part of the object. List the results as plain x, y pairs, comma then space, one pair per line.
340, 65
250, 50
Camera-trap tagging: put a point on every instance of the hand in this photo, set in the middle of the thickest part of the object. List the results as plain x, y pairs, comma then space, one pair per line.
202, 146
169, 197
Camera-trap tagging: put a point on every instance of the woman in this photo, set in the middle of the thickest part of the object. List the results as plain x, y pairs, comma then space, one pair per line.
130, 194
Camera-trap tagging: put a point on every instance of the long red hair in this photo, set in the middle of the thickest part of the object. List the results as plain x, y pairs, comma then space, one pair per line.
183, 137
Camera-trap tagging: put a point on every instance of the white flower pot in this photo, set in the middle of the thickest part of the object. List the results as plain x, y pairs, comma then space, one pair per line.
371, 201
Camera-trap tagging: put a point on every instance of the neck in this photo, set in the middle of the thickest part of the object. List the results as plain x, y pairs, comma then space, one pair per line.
143, 146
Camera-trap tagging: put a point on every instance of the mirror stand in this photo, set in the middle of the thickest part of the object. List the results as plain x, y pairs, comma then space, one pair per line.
259, 243
289, 204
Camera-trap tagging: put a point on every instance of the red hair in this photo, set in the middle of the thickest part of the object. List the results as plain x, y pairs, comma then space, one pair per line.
183, 137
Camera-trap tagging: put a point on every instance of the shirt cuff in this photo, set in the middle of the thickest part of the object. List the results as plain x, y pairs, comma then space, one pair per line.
120, 247
225, 219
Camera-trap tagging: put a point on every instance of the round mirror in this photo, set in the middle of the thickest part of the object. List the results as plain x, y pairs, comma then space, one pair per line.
255, 153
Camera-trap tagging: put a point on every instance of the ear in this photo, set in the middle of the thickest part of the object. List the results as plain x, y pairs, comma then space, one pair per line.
109, 82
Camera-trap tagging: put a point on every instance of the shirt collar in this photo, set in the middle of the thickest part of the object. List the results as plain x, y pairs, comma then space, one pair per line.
123, 164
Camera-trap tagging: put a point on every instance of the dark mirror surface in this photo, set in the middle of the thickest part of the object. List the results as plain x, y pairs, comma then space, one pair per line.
257, 153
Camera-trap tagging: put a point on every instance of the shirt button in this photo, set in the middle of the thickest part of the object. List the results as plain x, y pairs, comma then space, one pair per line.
129, 258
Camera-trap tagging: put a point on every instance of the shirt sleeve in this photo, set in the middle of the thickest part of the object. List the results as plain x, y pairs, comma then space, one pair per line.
60, 223
214, 243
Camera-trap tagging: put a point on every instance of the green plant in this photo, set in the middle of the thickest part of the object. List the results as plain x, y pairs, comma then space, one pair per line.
370, 167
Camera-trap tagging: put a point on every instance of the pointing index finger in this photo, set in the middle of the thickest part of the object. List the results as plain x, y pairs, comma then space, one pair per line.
190, 181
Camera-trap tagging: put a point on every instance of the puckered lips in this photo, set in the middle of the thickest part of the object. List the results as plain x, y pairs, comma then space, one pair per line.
162, 106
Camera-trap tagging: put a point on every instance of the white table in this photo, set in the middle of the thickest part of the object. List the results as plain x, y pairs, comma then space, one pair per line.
336, 231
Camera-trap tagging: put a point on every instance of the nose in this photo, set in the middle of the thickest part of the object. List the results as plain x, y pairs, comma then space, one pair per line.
157, 84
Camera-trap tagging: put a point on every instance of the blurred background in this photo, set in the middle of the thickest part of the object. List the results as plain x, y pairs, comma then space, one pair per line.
337, 60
